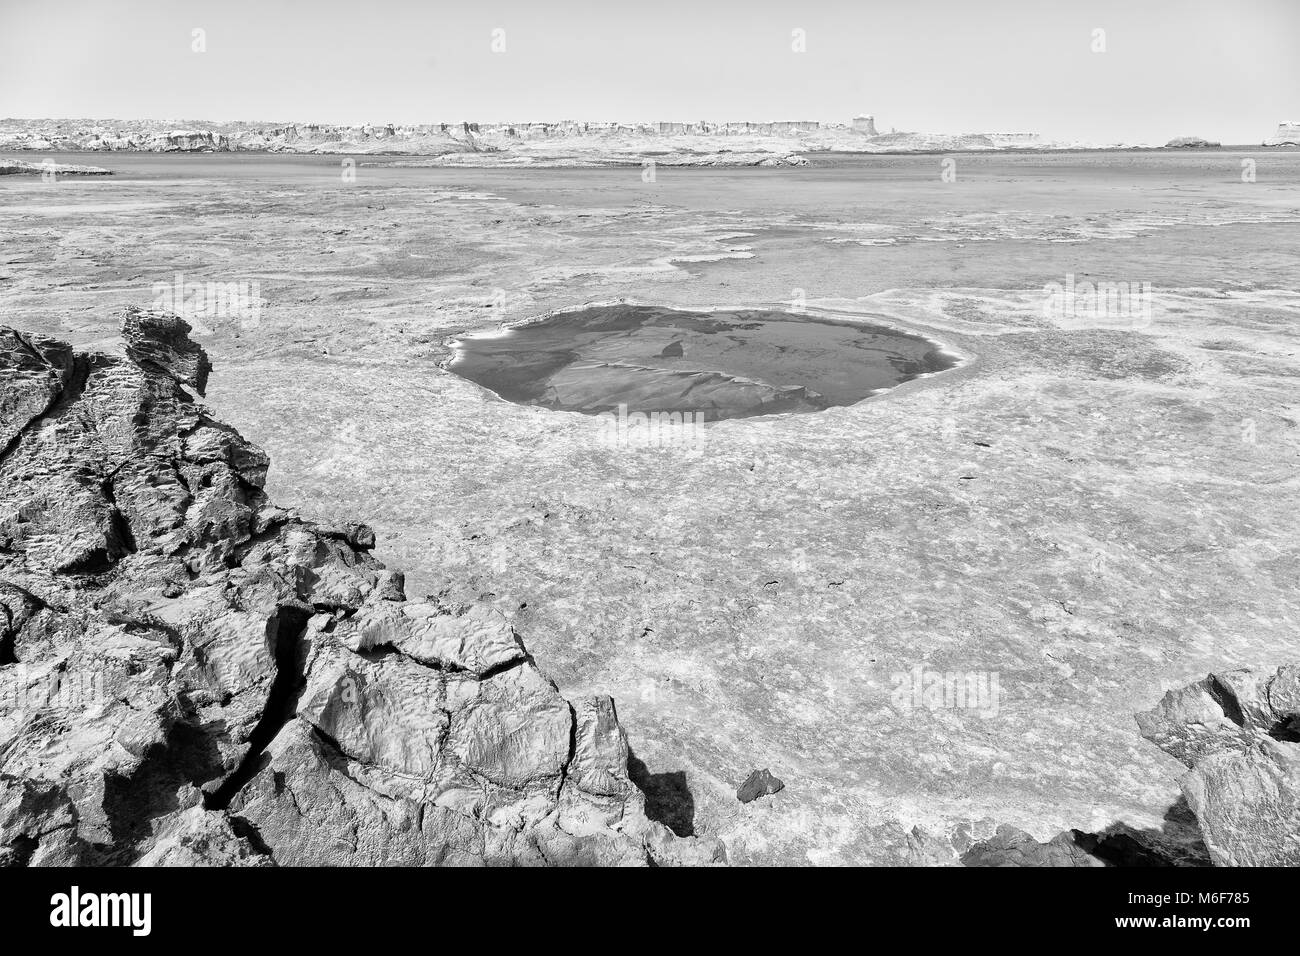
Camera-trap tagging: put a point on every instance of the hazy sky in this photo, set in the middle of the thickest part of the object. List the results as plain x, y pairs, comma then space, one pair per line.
1225, 69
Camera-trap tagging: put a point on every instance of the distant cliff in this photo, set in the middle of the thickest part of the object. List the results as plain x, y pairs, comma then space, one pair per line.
566, 142
155, 137
1288, 134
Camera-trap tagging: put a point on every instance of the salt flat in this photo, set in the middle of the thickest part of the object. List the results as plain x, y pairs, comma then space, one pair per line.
1094, 511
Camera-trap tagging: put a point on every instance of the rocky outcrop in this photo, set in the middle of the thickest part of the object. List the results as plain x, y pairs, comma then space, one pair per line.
1239, 733
191, 675
1189, 142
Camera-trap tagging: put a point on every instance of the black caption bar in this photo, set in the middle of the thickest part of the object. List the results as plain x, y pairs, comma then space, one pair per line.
146, 907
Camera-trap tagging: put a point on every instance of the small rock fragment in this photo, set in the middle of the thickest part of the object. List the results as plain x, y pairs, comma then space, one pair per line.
760, 783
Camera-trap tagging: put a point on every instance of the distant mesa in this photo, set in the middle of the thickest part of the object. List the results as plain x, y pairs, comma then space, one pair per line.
864, 123
1288, 134
192, 141
1190, 142
772, 128
783, 142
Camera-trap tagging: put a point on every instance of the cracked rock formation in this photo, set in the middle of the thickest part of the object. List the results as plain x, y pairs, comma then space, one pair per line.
1239, 732
190, 675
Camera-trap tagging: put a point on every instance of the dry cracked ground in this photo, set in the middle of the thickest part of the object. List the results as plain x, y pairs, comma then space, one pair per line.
1094, 515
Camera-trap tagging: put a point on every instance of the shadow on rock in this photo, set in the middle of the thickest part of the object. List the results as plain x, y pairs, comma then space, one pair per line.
667, 798
1178, 842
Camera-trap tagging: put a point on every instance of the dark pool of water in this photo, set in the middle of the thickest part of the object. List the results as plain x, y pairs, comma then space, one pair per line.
722, 364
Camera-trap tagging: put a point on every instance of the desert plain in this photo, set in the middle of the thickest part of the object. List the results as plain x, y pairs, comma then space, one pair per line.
1086, 512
